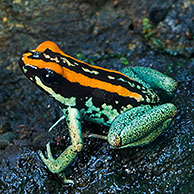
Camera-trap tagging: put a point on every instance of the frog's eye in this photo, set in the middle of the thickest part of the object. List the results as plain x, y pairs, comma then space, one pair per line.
36, 54
49, 77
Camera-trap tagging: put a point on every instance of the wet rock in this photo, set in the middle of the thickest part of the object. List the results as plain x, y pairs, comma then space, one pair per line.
103, 31
6, 139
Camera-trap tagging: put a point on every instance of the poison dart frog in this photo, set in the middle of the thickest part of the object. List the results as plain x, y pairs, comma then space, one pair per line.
125, 101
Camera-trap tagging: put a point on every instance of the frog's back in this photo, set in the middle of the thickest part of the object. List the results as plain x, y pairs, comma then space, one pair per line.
89, 88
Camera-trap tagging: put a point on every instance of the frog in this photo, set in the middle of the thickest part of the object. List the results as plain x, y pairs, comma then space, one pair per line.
125, 101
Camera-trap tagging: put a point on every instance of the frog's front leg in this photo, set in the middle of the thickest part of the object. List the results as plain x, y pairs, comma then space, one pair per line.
59, 164
140, 125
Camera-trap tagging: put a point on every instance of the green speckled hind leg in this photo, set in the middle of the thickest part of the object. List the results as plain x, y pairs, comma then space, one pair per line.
59, 164
150, 137
152, 77
141, 125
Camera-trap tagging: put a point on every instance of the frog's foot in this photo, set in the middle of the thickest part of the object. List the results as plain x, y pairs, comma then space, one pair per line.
55, 166
66, 157
140, 125
50, 162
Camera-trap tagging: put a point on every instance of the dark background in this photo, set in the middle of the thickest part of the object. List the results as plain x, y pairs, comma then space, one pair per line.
111, 34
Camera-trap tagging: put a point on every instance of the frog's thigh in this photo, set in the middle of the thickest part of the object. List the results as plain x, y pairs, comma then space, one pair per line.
128, 71
151, 77
140, 125
156, 79
150, 137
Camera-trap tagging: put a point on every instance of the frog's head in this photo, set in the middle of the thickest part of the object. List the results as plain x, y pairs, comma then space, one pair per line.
42, 67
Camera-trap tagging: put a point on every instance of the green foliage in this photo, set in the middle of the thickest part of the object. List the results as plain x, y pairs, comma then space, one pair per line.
81, 57
148, 33
147, 27
124, 61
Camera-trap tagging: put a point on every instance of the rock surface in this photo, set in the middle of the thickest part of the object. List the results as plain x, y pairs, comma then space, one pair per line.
110, 34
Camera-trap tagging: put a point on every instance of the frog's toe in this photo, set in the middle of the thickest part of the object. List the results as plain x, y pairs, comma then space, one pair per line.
53, 165
64, 179
43, 158
68, 181
49, 153
50, 162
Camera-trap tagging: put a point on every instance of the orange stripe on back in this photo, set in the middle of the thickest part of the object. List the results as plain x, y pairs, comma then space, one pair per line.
54, 48
79, 78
